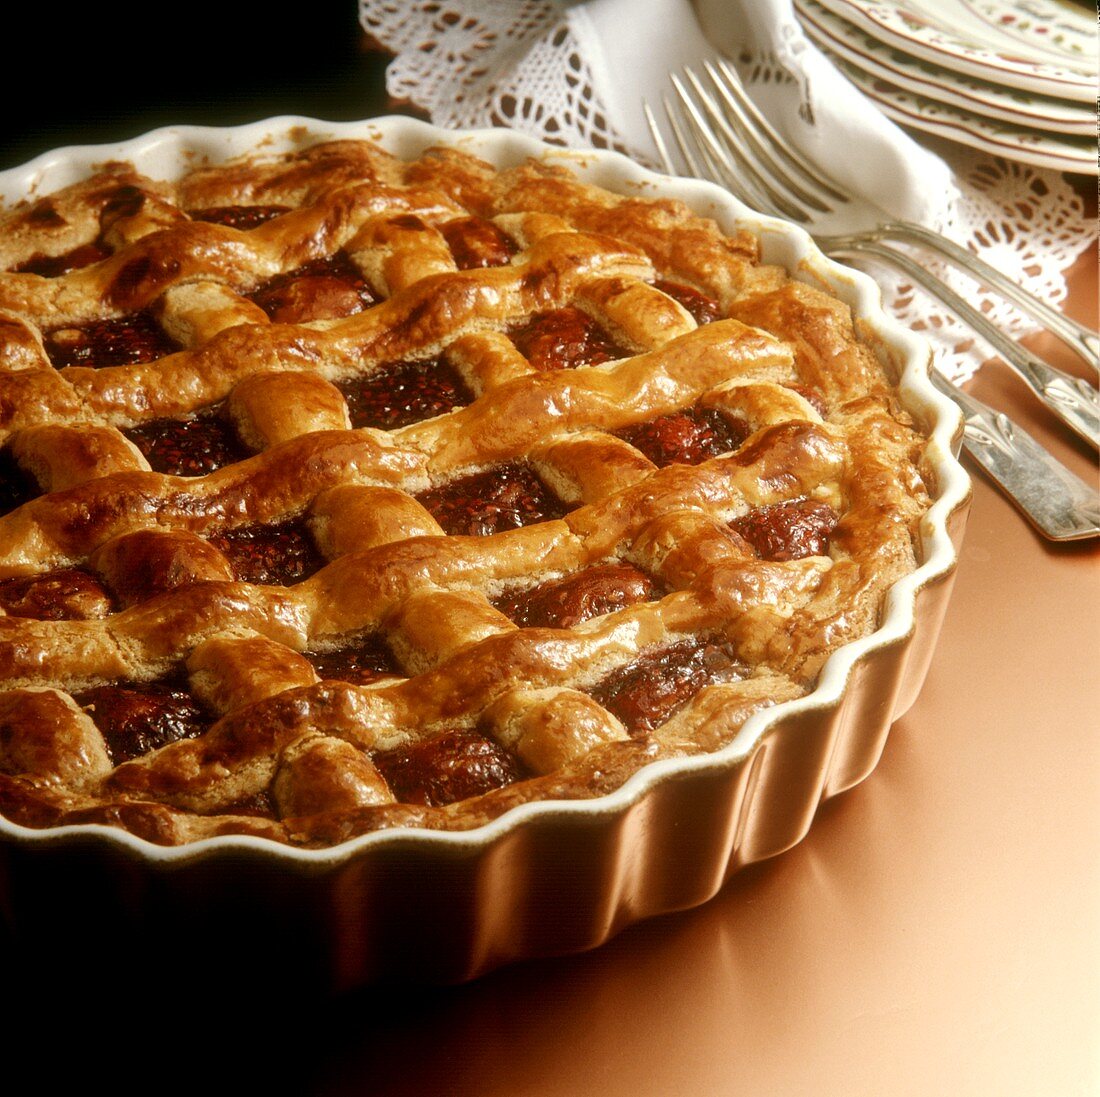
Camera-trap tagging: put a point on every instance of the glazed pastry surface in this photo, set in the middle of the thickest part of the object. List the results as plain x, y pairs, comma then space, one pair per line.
340, 492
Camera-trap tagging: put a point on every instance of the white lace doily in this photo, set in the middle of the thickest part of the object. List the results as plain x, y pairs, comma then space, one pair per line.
522, 64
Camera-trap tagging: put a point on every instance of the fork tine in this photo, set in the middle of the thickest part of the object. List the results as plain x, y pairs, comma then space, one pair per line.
729, 85
741, 134
693, 151
658, 139
720, 167
689, 149
730, 163
683, 143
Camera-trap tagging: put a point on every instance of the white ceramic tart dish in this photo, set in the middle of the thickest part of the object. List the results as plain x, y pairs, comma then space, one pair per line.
428, 550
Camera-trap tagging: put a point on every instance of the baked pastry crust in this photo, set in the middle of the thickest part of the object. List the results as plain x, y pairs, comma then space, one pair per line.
734, 572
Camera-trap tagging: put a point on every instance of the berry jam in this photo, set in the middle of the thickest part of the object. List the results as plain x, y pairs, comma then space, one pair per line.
812, 397
188, 447
124, 341
453, 765
476, 242
788, 531
137, 717
324, 289
260, 805
655, 686
564, 339
278, 554
53, 266
686, 437
703, 309
500, 498
238, 217
365, 661
405, 393
65, 594
16, 486
563, 603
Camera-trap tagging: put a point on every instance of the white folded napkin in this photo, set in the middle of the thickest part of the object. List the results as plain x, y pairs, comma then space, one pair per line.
630, 49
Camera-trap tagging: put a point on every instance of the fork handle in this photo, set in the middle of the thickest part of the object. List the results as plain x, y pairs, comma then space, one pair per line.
1081, 339
1058, 503
1073, 400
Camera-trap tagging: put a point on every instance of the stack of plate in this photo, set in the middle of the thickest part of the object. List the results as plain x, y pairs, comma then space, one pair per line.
1016, 78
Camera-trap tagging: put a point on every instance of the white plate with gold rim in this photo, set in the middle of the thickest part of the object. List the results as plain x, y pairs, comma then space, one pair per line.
1029, 146
921, 77
1044, 46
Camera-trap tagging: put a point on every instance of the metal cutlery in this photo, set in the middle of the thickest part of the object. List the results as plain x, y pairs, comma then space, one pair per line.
721, 136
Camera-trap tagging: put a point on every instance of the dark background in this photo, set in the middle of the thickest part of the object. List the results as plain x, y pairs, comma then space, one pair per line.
95, 72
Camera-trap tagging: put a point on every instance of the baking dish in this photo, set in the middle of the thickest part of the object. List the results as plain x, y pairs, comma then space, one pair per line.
546, 877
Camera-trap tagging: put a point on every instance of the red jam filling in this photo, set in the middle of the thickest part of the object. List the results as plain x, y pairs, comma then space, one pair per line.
123, 341
686, 437
126, 201
788, 531
53, 266
278, 554
654, 687
812, 397
137, 717
500, 498
565, 339
188, 447
324, 289
476, 242
703, 309
563, 603
359, 663
405, 393
66, 594
454, 765
260, 804
16, 486
238, 217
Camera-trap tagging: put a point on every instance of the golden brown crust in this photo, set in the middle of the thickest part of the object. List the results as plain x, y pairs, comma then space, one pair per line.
291, 749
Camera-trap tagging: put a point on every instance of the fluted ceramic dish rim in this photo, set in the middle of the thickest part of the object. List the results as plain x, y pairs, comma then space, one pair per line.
169, 150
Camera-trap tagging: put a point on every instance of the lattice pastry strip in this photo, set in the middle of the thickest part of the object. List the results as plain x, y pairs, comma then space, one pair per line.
172, 385
807, 453
713, 495
506, 423
85, 217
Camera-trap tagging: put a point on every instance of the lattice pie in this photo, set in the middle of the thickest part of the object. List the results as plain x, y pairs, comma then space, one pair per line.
341, 492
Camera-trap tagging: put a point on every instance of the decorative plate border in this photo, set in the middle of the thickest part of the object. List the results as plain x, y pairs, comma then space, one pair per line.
931, 29
1052, 27
957, 89
1029, 146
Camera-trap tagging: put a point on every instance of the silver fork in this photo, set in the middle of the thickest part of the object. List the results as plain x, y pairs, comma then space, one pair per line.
724, 138
757, 144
